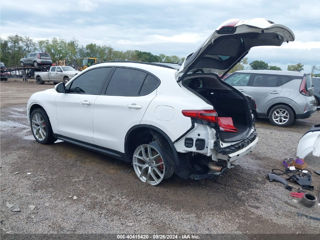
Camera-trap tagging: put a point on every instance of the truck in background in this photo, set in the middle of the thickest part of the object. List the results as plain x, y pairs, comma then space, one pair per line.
56, 74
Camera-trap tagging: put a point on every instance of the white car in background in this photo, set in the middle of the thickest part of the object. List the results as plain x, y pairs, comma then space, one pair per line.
161, 120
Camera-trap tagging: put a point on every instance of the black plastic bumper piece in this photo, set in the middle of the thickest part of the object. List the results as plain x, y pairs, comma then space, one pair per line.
208, 175
305, 115
235, 147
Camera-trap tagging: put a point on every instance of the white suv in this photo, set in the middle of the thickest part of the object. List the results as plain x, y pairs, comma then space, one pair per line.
161, 120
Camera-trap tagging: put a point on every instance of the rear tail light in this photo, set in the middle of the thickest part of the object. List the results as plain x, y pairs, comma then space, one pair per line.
207, 115
225, 123
38, 55
303, 87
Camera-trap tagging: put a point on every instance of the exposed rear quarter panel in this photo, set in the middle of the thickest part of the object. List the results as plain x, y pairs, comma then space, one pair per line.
165, 111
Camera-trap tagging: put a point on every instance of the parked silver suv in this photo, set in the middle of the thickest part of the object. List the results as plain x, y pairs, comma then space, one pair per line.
35, 59
281, 96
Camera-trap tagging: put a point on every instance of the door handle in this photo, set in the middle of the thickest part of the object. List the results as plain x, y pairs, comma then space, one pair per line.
134, 106
85, 102
241, 90
274, 92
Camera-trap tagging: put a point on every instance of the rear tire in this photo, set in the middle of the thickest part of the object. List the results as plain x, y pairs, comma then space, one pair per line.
41, 127
39, 80
152, 162
281, 115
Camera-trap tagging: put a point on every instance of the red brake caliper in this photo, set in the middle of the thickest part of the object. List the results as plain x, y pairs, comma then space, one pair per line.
159, 160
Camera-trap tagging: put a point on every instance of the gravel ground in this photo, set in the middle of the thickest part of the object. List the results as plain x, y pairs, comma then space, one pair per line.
62, 188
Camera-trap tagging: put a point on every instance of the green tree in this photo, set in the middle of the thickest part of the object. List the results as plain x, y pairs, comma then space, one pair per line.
16, 50
4, 51
240, 65
275, 68
29, 45
15, 47
259, 65
147, 57
42, 45
295, 67
72, 53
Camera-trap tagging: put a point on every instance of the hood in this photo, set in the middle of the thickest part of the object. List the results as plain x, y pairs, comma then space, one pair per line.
232, 41
72, 72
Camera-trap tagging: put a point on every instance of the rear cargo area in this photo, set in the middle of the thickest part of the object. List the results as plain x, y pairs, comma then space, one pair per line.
226, 101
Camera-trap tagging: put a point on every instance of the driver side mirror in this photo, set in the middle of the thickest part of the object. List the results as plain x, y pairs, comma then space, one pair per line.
61, 88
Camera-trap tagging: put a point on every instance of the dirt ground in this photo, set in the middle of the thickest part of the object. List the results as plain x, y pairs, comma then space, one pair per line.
62, 188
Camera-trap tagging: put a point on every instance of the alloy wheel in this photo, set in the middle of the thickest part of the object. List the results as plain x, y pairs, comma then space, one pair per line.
39, 127
280, 116
148, 164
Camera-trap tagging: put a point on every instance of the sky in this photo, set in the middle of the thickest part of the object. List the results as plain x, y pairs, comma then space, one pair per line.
172, 27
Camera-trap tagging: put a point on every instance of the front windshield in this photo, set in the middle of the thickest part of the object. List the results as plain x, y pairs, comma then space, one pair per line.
68, 68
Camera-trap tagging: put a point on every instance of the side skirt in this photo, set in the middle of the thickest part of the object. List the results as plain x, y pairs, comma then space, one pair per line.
109, 152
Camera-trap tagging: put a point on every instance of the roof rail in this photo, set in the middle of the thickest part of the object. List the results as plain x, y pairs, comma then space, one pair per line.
147, 63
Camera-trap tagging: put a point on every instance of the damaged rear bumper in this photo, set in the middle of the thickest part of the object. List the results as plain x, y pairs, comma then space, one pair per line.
235, 151
197, 164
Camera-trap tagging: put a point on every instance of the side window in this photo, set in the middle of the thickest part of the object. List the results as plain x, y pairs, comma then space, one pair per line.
59, 69
91, 82
283, 80
150, 84
53, 69
261, 80
126, 82
238, 79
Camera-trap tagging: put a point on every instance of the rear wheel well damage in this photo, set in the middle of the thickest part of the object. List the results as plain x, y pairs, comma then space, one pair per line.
146, 134
187, 165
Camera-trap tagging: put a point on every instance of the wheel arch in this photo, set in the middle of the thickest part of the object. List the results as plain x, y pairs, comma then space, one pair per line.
35, 106
269, 109
138, 131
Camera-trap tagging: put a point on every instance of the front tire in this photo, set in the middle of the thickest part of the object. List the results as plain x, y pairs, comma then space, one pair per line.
41, 127
152, 163
281, 115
